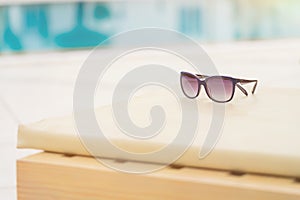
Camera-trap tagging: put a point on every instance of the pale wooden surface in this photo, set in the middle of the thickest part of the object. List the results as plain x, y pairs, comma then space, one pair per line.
259, 132
62, 177
40, 85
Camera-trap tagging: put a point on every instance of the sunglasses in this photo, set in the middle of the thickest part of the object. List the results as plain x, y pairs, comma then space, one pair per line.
218, 88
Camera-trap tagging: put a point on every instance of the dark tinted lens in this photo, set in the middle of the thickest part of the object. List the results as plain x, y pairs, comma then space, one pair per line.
189, 84
219, 88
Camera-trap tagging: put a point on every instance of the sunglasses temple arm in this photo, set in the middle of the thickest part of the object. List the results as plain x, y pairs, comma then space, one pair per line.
243, 81
254, 87
242, 89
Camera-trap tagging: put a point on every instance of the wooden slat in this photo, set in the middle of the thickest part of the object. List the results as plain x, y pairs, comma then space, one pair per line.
56, 176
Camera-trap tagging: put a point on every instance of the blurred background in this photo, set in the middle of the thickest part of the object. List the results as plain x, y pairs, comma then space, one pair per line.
45, 25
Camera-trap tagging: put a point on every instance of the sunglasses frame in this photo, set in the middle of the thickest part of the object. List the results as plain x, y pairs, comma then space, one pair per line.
235, 83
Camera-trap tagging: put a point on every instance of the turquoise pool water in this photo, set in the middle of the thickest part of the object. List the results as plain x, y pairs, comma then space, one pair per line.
79, 25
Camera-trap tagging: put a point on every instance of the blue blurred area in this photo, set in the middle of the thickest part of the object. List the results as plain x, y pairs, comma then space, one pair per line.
10, 39
80, 35
80, 25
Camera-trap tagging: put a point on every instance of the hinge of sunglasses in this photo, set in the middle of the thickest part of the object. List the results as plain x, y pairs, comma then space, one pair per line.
243, 81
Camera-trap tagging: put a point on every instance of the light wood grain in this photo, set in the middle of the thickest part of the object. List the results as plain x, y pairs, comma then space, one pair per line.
260, 133
56, 176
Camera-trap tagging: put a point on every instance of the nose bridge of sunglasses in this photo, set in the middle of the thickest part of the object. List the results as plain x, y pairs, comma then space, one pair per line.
201, 77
